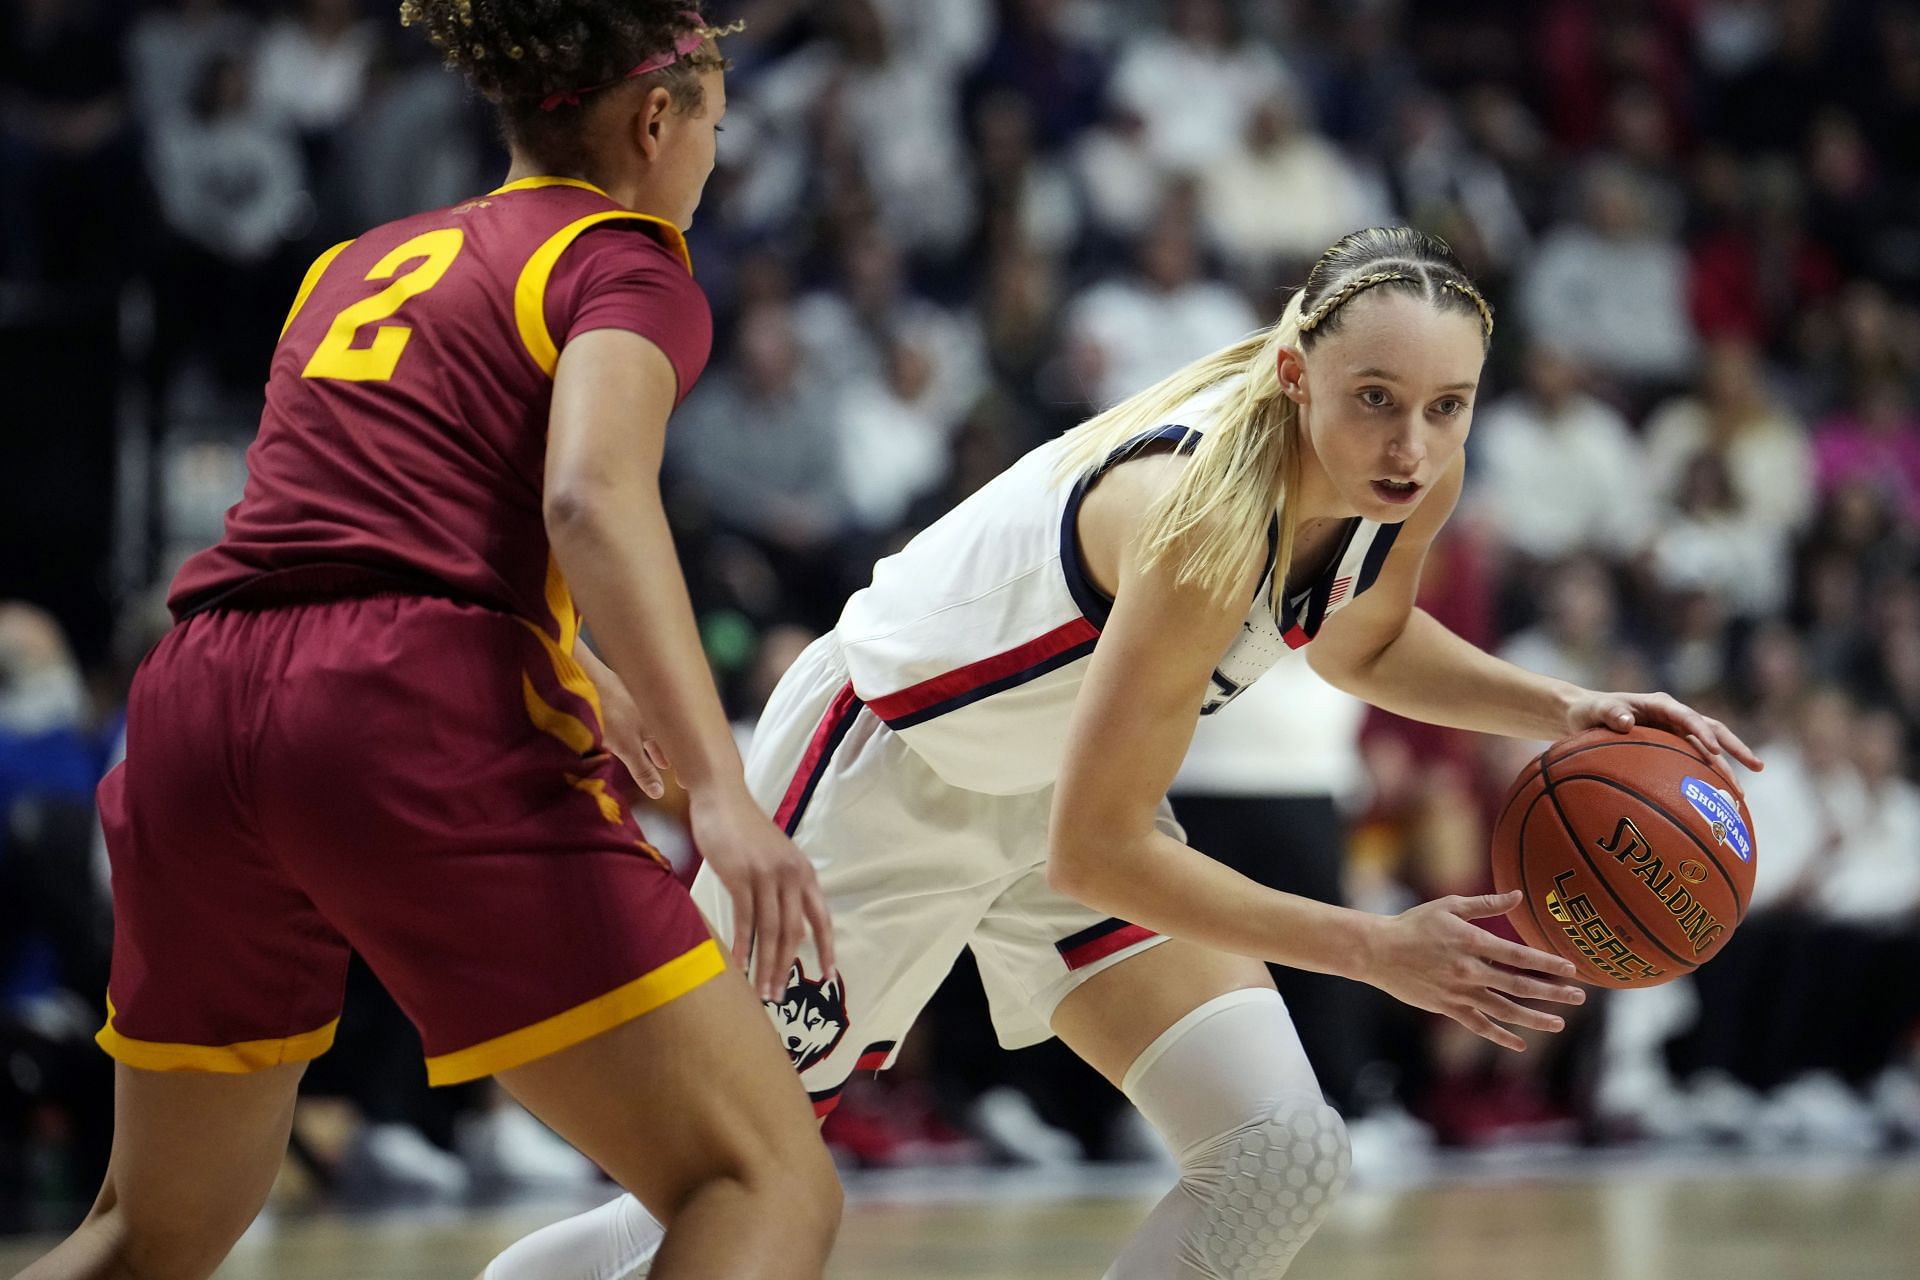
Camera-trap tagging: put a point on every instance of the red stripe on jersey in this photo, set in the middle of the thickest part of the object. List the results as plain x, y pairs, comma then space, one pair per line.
1105, 945
822, 1107
1339, 590
1296, 637
872, 1060
962, 680
842, 708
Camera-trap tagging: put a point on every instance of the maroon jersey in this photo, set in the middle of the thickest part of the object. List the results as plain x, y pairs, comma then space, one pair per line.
404, 438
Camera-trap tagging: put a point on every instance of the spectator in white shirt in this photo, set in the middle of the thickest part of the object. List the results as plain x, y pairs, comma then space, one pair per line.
313, 68
1611, 289
1874, 875
1128, 334
169, 47
894, 442
1196, 85
1284, 194
1574, 639
1766, 451
1559, 472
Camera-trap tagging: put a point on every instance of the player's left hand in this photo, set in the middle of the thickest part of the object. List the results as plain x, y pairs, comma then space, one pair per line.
626, 736
1621, 711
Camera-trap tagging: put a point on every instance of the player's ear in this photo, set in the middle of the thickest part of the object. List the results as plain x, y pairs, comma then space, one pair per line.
650, 122
1293, 373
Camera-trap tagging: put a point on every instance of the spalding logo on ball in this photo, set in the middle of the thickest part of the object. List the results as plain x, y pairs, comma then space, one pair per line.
1633, 864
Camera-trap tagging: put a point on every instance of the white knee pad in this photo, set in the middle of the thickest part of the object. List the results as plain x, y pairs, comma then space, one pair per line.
1262, 1156
1264, 1189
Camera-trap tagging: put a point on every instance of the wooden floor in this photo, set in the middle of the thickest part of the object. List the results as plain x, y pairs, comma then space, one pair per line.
1792, 1222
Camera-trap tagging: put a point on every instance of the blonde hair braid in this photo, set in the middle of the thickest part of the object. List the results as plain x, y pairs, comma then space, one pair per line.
1248, 460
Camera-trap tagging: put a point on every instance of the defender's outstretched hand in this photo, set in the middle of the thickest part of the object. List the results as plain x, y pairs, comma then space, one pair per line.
776, 894
1431, 958
627, 737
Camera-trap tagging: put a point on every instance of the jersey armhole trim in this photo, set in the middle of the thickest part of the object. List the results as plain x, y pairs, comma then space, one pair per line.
311, 279
530, 291
1095, 605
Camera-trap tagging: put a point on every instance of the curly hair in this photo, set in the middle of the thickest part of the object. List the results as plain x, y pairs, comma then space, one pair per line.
519, 53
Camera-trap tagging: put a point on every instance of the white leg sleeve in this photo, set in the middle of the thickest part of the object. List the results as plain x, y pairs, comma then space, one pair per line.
617, 1241
1261, 1153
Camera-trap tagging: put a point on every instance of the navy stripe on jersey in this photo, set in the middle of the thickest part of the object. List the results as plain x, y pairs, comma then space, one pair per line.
1376, 556
1096, 605
1315, 597
1321, 592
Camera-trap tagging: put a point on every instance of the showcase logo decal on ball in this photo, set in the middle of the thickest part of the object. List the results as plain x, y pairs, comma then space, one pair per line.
1718, 808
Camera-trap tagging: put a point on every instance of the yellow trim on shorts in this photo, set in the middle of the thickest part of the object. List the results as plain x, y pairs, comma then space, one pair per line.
223, 1059
552, 721
579, 736
582, 1022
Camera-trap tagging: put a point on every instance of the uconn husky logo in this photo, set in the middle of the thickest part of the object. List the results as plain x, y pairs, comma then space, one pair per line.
810, 1017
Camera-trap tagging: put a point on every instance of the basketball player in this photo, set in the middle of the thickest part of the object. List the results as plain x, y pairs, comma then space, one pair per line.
373, 728
977, 755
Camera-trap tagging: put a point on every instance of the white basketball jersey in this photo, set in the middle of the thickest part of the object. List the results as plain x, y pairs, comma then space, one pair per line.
973, 639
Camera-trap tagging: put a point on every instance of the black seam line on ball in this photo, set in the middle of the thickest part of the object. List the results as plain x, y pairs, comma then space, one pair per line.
1642, 742
1519, 785
1520, 854
1679, 824
1600, 877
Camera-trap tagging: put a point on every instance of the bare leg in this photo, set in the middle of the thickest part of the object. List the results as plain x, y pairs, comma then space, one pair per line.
194, 1156
695, 1109
1109, 1019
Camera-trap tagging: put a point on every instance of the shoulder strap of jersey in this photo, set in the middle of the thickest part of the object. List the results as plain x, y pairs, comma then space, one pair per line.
307, 283
530, 291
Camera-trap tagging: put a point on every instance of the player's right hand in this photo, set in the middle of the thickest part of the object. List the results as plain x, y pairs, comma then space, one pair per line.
1431, 958
776, 894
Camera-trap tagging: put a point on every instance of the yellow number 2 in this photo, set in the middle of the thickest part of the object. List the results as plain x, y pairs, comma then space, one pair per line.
337, 357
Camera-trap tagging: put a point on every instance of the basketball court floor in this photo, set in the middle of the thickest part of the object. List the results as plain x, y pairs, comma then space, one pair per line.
1527, 1218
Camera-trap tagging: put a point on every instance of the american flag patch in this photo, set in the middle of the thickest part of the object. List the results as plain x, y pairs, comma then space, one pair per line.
1339, 591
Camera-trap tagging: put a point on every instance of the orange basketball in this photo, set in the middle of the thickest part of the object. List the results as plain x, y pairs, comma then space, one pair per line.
1635, 854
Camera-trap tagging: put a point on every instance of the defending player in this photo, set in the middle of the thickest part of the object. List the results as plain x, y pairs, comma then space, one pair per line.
977, 755
373, 728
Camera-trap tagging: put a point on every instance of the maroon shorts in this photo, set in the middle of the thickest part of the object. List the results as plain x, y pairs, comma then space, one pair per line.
414, 779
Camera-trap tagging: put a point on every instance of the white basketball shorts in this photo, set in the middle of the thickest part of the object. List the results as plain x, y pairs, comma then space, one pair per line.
913, 869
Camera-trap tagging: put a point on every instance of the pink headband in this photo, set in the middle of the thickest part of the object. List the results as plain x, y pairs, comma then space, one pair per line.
687, 44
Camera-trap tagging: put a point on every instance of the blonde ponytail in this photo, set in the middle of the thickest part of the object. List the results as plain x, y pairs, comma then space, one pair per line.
1247, 462
1241, 471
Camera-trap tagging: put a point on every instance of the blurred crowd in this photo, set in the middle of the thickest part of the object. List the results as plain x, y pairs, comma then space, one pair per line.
941, 233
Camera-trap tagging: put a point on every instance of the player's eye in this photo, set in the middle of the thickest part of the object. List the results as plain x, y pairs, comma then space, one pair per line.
1452, 406
1375, 398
